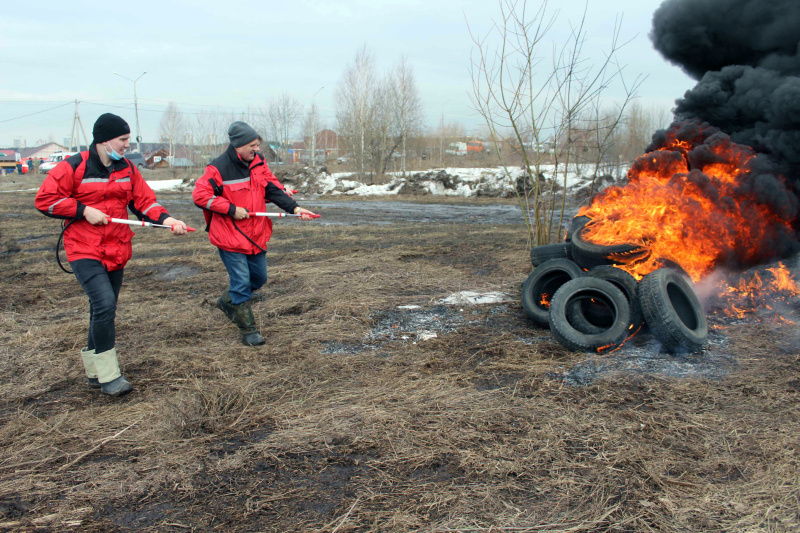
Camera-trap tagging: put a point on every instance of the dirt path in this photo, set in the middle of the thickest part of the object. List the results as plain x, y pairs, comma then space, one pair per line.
375, 405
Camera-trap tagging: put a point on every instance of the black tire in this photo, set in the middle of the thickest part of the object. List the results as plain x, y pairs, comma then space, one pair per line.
589, 255
542, 284
624, 282
545, 252
576, 291
668, 263
672, 310
576, 316
575, 224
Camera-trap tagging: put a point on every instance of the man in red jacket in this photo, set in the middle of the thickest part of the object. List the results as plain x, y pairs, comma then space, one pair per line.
234, 185
87, 189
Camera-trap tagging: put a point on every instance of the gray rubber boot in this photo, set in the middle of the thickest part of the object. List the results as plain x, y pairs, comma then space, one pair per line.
112, 382
246, 323
91, 372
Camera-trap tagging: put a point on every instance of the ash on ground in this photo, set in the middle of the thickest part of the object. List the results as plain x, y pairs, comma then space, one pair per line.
414, 323
646, 357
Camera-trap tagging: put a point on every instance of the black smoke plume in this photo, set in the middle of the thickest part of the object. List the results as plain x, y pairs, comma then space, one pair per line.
745, 55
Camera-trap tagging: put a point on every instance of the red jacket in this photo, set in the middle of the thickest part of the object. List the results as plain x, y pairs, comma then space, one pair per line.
228, 183
82, 180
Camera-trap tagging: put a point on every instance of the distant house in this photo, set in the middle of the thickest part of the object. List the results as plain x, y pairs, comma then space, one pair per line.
158, 154
326, 144
42, 151
182, 162
10, 157
327, 140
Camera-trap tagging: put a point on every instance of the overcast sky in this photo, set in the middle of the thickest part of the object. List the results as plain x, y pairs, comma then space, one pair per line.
203, 54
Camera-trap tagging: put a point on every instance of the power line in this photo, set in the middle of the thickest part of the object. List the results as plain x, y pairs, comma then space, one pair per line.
37, 113
205, 109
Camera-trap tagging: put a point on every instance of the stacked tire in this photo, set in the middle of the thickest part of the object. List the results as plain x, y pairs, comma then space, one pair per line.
588, 254
673, 311
568, 321
591, 305
542, 284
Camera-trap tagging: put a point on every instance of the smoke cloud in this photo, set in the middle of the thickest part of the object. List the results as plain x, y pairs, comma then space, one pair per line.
702, 36
745, 55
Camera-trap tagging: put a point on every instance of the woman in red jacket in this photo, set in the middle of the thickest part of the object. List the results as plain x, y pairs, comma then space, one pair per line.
89, 188
234, 185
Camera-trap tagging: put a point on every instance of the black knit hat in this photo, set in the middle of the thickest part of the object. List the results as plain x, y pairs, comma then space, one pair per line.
109, 126
241, 133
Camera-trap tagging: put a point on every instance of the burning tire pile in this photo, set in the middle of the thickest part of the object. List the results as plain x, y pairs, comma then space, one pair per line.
589, 304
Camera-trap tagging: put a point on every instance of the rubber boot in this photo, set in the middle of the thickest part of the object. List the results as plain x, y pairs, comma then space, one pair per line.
91, 372
226, 305
246, 323
257, 297
112, 382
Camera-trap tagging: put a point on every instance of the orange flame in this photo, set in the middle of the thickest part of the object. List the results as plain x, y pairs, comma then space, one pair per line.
746, 297
545, 301
783, 280
687, 205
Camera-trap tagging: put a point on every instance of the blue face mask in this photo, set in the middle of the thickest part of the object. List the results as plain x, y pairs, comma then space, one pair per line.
113, 154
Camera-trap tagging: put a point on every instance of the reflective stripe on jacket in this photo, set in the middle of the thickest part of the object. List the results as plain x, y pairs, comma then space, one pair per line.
82, 180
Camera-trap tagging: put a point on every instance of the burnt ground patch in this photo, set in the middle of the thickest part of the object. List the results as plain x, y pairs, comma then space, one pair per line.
461, 417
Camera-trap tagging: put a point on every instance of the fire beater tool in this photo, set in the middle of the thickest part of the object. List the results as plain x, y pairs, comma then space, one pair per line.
279, 215
142, 223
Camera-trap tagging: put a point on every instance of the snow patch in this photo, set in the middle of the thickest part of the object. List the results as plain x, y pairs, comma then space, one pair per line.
165, 185
464, 182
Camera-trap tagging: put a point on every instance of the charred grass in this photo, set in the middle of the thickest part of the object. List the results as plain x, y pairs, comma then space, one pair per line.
333, 427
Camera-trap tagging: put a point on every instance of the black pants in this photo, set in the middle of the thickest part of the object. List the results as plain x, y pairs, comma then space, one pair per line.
102, 287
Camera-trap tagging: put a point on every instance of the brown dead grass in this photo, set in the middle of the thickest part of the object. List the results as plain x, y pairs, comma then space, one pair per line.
468, 431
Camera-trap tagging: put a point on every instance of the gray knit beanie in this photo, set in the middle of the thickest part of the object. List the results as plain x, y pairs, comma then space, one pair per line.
240, 133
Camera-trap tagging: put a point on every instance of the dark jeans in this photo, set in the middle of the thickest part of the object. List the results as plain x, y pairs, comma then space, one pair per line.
102, 288
247, 273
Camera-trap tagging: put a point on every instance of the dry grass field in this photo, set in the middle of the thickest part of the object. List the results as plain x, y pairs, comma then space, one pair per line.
361, 415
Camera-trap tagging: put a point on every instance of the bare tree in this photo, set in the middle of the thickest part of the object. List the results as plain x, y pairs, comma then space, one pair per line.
406, 106
533, 96
311, 127
376, 117
638, 127
209, 130
284, 114
384, 138
172, 128
355, 107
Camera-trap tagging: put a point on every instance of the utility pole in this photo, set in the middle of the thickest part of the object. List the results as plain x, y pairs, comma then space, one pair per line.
314, 129
136, 108
74, 138
441, 132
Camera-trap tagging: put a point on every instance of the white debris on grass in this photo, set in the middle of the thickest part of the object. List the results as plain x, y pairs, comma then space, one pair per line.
425, 335
475, 298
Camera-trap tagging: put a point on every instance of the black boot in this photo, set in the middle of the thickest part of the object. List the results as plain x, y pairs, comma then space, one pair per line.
226, 305
257, 297
246, 322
